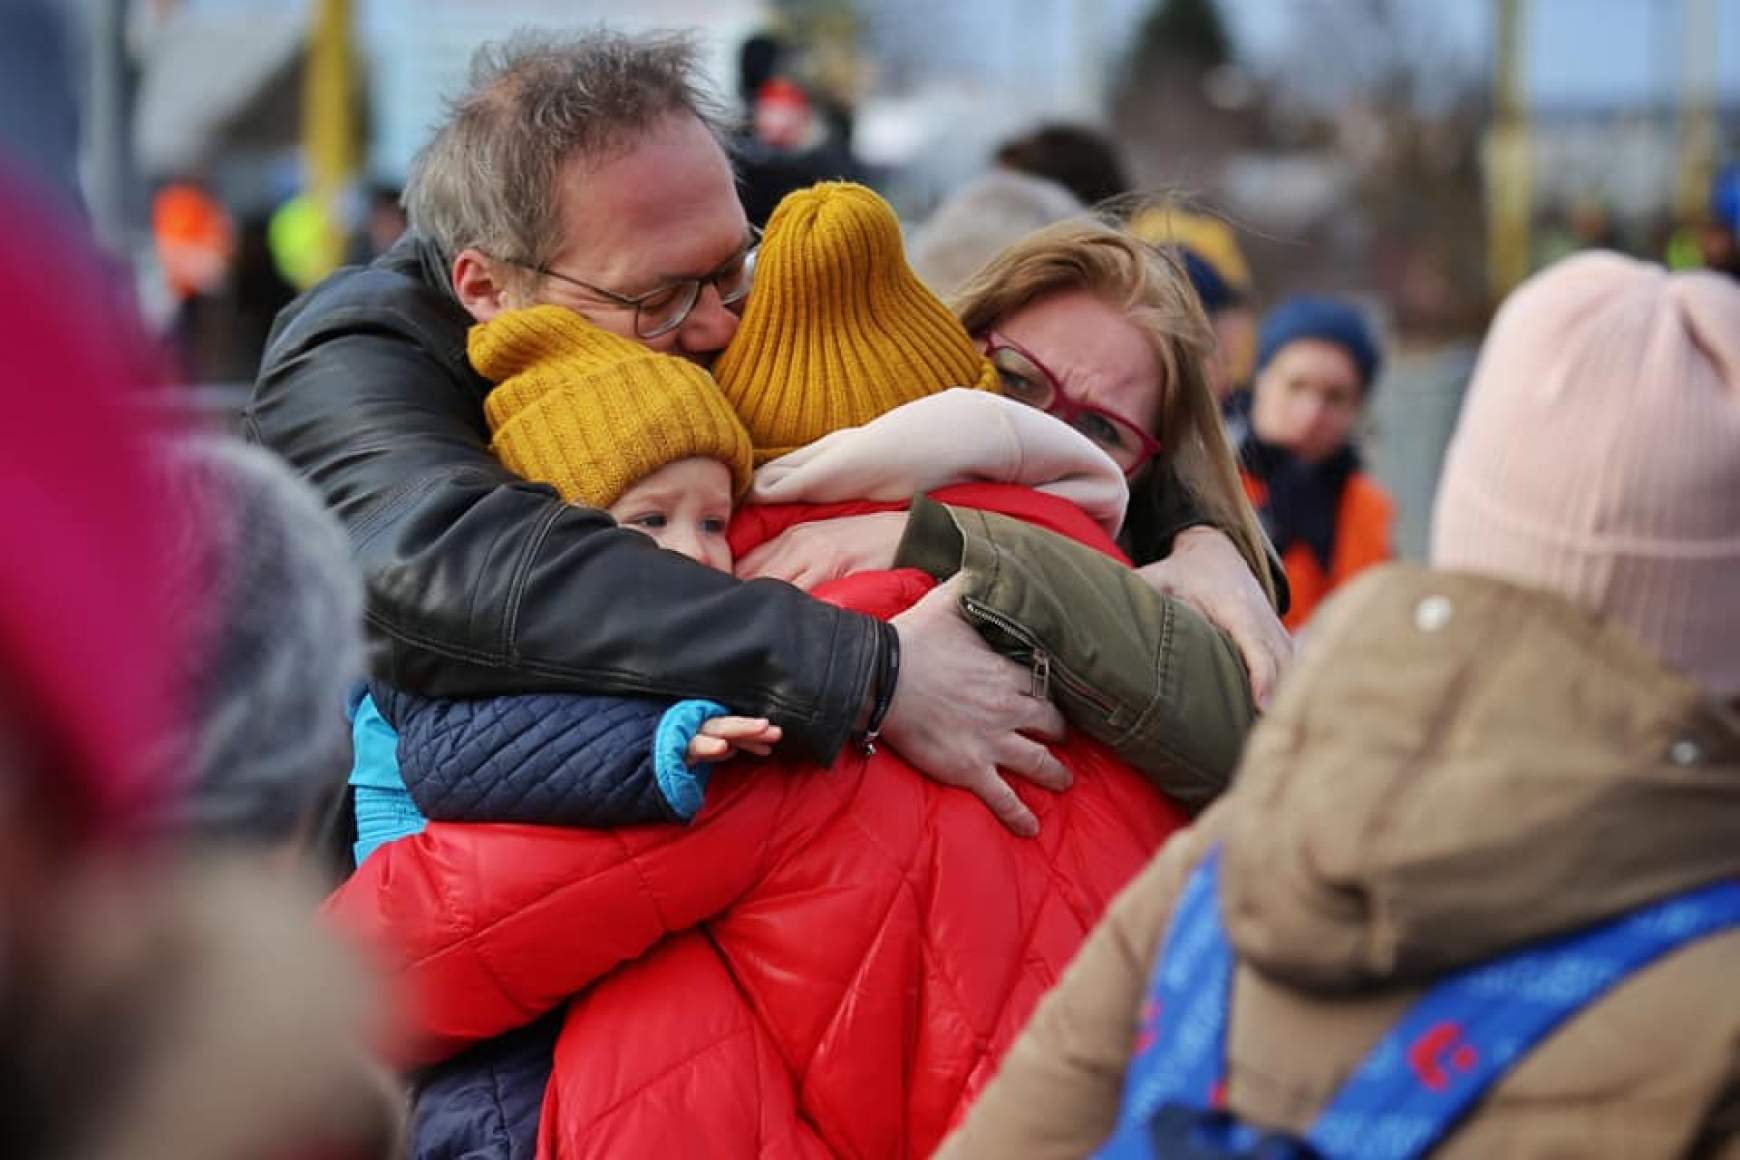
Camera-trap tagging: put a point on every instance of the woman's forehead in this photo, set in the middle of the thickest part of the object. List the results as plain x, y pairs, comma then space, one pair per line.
1098, 354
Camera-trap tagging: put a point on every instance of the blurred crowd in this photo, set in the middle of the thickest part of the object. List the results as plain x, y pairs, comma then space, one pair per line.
674, 659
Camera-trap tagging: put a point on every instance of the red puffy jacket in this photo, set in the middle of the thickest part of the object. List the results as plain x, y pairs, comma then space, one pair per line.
824, 962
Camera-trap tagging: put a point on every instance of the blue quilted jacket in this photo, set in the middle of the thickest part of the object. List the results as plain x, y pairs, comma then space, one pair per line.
555, 758
484, 1105
561, 759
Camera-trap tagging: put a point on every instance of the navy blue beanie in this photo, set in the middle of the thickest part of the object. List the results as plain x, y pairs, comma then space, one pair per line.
1324, 319
1214, 291
1725, 197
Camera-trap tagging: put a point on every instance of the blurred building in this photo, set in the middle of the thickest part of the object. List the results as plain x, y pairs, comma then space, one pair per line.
1623, 158
952, 80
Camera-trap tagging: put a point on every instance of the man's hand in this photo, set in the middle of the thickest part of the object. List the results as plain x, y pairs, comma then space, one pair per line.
812, 554
961, 713
1206, 571
722, 738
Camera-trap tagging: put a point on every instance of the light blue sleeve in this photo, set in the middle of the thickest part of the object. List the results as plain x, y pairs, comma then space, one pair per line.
384, 809
684, 786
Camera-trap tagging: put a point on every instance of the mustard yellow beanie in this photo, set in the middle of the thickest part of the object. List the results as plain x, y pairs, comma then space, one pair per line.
839, 330
590, 412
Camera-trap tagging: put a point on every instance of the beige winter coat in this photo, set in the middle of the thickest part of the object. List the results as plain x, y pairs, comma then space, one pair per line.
1456, 766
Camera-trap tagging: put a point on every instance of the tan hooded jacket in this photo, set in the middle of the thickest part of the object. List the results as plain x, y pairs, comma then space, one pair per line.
1457, 766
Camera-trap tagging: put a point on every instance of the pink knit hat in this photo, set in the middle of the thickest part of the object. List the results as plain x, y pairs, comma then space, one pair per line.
1598, 455
85, 646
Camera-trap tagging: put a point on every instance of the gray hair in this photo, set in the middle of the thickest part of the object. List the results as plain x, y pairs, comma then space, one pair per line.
977, 221
488, 177
269, 605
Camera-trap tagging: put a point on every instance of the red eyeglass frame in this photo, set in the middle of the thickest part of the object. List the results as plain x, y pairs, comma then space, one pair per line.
1067, 408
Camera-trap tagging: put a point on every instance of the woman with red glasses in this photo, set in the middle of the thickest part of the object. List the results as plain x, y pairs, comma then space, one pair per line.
1090, 324
1087, 323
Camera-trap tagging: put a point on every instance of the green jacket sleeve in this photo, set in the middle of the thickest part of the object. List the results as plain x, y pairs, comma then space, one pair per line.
1143, 673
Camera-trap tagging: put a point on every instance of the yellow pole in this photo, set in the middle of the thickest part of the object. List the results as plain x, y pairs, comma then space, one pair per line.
329, 123
1509, 164
1698, 129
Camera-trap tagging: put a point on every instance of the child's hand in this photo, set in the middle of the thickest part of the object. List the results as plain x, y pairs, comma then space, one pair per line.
721, 738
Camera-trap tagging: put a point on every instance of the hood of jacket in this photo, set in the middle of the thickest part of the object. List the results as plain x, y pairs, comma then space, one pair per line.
1459, 765
958, 436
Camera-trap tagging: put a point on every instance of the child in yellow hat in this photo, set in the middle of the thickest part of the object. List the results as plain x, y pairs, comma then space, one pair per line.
649, 439
612, 425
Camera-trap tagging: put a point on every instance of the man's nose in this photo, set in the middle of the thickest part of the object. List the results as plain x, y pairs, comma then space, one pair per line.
709, 326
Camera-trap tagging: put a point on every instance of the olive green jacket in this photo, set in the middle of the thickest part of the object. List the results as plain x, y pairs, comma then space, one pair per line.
1142, 673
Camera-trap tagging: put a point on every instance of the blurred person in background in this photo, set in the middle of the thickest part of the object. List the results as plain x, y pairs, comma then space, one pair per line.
384, 224
979, 220
789, 137
159, 997
1084, 161
268, 607
1317, 362
224, 279
1222, 279
257, 291
1086, 322
1521, 766
195, 244
1719, 237
1233, 322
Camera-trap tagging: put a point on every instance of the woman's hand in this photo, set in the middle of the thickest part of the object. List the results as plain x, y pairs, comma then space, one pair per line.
1206, 571
964, 716
722, 738
812, 554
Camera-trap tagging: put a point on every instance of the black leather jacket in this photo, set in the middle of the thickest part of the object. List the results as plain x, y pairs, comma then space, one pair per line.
480, 583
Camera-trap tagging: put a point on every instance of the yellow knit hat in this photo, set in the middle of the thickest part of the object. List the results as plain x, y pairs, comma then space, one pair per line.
591, 412
839, 330
1209, 236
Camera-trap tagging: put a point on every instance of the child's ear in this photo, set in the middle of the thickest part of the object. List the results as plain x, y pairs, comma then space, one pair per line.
479, 285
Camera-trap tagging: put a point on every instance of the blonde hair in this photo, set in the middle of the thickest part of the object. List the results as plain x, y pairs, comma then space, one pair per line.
1153, 292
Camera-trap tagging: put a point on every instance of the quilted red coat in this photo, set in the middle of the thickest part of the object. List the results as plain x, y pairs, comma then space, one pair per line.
827, 962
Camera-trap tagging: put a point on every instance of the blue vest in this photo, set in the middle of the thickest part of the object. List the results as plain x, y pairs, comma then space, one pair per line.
1457, 1041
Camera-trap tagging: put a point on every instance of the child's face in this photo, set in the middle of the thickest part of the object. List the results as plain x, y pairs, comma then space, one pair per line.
684, 506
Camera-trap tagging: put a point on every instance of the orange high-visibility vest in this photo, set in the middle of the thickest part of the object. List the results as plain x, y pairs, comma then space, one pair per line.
1363, 526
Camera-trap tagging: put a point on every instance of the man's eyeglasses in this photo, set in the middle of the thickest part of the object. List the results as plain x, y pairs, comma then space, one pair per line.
1027, 380
660, 311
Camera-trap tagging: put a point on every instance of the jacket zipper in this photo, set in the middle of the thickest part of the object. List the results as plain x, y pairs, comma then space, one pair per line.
1041, 687
1043, 670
